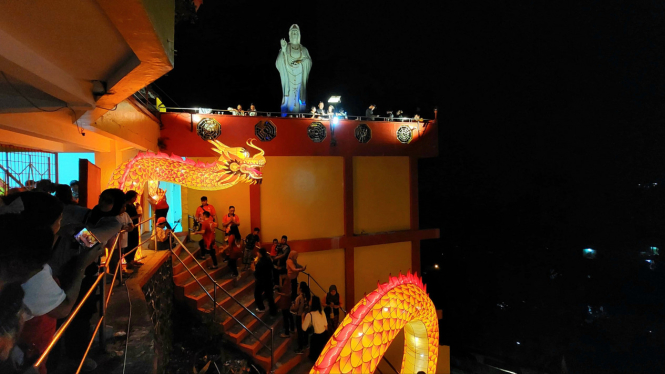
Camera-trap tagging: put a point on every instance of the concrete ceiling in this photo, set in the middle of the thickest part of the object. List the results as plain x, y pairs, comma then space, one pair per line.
76, 36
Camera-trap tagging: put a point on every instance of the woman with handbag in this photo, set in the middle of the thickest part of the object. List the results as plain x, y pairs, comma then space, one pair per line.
317, 319
299, 308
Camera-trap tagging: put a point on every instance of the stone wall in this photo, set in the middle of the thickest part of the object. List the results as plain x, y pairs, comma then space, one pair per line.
158, 291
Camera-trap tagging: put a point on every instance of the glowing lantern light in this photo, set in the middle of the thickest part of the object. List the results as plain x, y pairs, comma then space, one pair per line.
364, 335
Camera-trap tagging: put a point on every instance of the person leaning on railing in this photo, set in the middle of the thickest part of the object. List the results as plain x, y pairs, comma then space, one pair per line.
102, 222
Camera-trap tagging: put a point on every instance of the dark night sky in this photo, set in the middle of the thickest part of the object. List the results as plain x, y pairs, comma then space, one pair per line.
550, 114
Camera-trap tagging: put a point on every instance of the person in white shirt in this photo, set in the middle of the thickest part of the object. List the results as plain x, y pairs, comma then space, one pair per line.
318, 320
127, 225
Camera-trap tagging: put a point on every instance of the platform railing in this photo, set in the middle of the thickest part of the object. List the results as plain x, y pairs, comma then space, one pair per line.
216, 305
320, 117
104, 300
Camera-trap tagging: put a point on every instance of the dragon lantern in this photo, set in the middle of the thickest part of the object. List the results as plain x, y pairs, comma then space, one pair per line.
235, 165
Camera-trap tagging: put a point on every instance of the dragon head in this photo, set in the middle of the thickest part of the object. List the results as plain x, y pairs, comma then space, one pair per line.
236, 161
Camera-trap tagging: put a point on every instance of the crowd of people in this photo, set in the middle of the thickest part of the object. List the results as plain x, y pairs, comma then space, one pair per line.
49, 260
276, 277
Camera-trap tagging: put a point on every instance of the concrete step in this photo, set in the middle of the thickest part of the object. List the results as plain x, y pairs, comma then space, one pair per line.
198, 299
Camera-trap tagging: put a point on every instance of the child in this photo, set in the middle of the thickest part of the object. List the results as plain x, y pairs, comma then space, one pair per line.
333, 303
163, 238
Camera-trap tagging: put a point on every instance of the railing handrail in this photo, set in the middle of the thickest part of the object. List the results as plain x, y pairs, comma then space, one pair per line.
322, 289
105, 300
217, 284
389, 364
216, 304
306, 115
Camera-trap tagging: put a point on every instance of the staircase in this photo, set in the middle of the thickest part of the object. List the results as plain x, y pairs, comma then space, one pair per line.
188, 291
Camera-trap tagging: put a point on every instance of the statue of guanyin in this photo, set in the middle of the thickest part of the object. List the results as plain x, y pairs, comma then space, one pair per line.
293, 63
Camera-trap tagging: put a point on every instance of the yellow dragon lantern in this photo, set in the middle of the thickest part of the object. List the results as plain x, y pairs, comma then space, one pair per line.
233, 166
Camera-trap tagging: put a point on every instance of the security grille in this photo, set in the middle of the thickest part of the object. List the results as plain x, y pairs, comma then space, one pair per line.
19, 165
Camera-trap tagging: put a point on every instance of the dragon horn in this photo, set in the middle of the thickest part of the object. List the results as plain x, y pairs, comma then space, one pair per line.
250, 143
220, 147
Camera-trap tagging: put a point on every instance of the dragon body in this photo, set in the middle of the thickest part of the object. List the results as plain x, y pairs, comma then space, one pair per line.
234, 166
364, 335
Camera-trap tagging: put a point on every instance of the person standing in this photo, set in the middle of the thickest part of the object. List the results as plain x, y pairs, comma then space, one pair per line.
318, 320
160, 205
292, 270
263, 284
284, 305
252, 243
133, 235
204, 207
234, 250
163, 235
369, 113
283, 252
333, 304
231, 219
207, 243
299, 308
252, 110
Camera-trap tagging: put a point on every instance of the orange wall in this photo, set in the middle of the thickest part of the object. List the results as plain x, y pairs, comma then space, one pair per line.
302, 197
327, 267
381, 194
237, 196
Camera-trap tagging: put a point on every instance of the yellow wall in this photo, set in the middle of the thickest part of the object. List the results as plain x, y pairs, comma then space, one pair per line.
302, 197
443, 365
327, 267
237, 196
381, 194
375, 262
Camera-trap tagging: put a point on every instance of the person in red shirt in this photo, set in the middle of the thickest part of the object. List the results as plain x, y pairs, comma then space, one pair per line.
230, 220
160, 205
207, 244
205, 207
234, 249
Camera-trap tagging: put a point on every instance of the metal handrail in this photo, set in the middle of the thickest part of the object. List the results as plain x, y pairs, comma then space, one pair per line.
215, 282
389, 364
105, 300
306, 115
216, 304
309, 276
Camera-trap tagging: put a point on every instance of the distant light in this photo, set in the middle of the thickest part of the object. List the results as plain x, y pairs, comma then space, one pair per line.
649, 261
205, 110
589, 253
518, 343
335, 120
436, 266
334, 99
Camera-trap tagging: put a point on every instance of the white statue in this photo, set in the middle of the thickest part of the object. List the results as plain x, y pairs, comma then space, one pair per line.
293, 63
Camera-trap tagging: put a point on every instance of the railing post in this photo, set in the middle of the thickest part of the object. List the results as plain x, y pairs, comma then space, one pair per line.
102, 312
272, 350
214, 302
120, 266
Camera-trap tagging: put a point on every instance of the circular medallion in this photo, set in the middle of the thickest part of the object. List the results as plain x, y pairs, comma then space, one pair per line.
265, 131
363, 133
404, 134
209, 129
317, 132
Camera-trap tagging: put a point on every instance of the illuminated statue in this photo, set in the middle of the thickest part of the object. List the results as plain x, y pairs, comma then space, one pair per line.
233, 166
293, 63
364, 335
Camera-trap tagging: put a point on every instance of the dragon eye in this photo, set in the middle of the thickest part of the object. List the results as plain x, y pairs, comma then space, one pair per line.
242, 153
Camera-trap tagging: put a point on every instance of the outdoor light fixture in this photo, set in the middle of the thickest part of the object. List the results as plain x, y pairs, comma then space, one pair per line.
335, 121
335, 100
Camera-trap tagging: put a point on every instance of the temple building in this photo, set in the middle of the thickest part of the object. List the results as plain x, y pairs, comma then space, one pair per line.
344, 190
